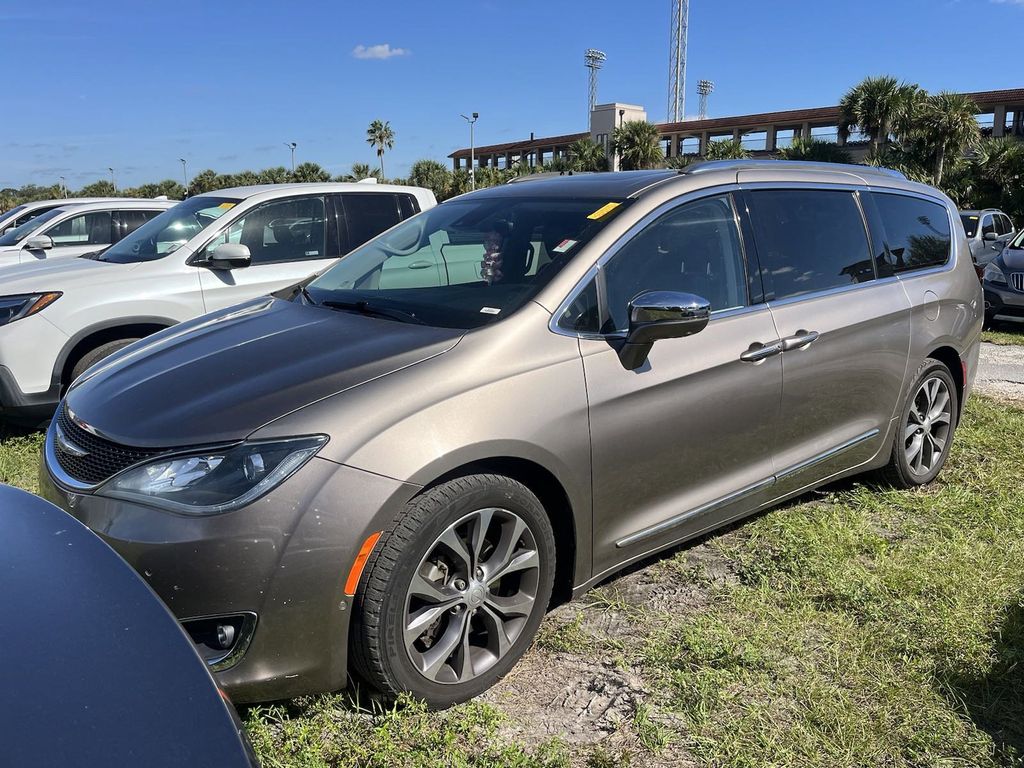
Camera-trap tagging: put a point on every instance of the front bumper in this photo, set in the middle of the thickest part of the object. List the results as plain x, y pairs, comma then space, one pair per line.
1003, 301
29, 386
284, 558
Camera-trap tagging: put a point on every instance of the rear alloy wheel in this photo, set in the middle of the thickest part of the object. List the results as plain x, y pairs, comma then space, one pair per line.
455, 591
926, 430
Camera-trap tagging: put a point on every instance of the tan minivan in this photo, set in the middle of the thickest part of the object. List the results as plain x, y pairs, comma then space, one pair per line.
393, 469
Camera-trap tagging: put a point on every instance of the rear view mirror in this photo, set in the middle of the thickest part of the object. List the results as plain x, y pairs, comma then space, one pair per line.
661, 315
39, 243
229, 256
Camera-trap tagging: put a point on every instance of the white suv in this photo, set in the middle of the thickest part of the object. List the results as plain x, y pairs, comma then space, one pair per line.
75, 229
21, 214
211, 251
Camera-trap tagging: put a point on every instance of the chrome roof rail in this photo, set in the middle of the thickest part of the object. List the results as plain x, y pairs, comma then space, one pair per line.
704, 166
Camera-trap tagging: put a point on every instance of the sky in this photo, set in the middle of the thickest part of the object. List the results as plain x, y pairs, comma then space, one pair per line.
137, 85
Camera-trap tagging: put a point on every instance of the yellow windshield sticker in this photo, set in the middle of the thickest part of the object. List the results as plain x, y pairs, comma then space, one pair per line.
604, 210
225, 206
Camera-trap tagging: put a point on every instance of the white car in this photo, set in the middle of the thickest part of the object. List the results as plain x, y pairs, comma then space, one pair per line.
58, 317
21, 214
76, 229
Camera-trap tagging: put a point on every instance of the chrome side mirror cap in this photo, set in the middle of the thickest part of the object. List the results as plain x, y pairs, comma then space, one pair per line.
658, 315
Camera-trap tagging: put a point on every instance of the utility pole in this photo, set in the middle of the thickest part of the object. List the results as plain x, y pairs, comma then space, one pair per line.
184, 173
64, 187
472, 149
677, 61
113, 183
292, 145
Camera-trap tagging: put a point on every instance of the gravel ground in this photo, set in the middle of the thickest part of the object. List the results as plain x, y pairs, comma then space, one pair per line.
1001, 372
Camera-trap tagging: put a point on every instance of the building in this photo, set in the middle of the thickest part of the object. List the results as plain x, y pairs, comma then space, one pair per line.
1002, 114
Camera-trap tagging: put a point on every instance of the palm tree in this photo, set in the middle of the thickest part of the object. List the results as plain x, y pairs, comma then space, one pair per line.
432, 175
878, 107
948, 127
636, 144
380, 136
587, 155
732, 149
814, 150
307, 172
276, 175
359, 172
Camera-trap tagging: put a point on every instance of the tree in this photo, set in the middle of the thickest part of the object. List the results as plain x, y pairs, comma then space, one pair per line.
948, 127
587, 155
169, 188
102, 188
204, 181
276, 175
432, 175
732, 149
636, 144
359, 172
310, 172
814, 150
380, 136
878, 107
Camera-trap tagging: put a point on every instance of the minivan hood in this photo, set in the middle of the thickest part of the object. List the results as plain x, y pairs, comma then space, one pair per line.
220, 377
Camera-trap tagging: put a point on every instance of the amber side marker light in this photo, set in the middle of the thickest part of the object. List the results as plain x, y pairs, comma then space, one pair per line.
356, 571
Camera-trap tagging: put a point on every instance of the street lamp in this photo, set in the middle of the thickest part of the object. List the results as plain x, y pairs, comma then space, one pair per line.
184, 173
64, 186
472, 149
292, 145
112, 182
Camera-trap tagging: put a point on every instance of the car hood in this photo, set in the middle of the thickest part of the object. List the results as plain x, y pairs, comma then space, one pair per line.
1013, 259
220, 377
50, 274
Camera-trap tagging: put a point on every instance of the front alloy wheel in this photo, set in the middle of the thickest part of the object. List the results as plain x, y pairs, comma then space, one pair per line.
454, 591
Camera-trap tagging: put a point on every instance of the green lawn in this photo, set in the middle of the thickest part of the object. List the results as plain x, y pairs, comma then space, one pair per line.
1005, 333
858, 627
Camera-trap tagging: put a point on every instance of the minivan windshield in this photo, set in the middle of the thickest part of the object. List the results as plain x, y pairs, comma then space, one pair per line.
18, 234
466, 262
168, 231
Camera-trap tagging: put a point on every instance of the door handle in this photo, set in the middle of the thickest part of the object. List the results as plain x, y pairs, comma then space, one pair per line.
758, 351
421, 265
799, 340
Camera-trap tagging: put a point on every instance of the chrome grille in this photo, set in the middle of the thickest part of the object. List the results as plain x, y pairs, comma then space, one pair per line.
101, 459
1017, 281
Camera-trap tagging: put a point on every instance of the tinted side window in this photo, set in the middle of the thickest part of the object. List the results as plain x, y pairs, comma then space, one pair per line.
367, 214
809, 240
87, 229
917, 233
692, 249
282, 230
126, 222
1003, 225
988, 224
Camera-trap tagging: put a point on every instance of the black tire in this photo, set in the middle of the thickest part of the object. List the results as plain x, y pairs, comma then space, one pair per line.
899, 473
379, 654
92, 357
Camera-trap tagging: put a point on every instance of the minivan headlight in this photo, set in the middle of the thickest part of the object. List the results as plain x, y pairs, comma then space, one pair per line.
993, 274
16, 307
214, 481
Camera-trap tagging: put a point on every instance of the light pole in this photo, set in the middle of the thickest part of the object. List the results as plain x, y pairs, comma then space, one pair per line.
472, 149
292, 145
184, 173
64, 187
113, 183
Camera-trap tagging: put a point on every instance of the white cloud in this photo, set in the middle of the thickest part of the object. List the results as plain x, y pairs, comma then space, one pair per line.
1010, 2
383, 51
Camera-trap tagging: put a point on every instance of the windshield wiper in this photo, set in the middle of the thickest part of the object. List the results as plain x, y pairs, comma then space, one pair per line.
363, 307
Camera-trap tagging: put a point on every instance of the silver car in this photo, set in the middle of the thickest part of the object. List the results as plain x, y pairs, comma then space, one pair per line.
393, 469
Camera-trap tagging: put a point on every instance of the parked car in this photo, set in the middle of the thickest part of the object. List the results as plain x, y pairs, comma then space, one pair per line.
210, 251
988, 231
21, 214
394, 479
75, 230
1003, 280
96, 670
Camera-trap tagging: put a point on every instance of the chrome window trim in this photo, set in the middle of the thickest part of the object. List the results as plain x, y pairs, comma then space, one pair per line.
649, 218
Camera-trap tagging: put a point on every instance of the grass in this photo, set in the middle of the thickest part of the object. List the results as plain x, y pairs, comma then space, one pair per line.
856, 627
1004, 334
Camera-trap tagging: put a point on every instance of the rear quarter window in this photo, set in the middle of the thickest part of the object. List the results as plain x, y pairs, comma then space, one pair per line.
917, 233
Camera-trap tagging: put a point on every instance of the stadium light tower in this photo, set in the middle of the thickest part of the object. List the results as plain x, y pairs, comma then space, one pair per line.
704, 89
594, 60
677, 61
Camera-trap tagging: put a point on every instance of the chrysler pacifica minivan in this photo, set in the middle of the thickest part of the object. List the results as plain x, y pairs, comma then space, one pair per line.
390, 471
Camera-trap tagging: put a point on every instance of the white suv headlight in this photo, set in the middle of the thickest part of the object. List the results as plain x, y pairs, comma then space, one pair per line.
214, 481
16, 307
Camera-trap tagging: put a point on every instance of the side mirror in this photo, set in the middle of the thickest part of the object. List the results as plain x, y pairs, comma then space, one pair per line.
661, 315
990, 236
229, 256
39, 243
